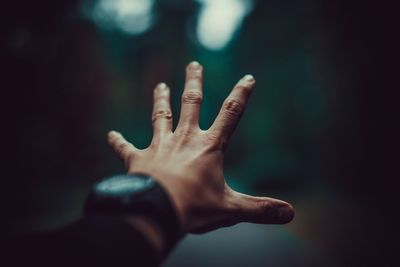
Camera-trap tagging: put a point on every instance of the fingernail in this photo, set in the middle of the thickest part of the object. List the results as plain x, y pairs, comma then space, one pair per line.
162, 86
112, 133
194, 65
249, 78
286, 213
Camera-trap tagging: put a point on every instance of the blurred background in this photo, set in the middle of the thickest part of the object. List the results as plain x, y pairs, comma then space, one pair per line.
317, 131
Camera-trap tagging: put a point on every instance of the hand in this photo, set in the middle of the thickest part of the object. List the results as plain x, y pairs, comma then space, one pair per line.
188, 162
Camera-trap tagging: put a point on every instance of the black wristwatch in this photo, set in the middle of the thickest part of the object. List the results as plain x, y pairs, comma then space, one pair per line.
136, 194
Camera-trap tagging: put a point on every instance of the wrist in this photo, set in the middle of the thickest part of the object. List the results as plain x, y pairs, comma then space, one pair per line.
177, 192
143, 202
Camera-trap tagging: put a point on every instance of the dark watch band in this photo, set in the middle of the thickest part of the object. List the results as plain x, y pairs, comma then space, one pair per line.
148, 198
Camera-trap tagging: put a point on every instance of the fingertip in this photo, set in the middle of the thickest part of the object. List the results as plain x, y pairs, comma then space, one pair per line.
249, 78
161, 87
285, 213
276, 211
194, 65
111, 135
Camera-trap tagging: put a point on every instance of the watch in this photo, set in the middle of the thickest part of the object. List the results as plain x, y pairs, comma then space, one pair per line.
135, 194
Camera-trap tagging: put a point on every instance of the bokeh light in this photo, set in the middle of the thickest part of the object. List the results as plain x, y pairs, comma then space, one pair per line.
218, 21
129, 16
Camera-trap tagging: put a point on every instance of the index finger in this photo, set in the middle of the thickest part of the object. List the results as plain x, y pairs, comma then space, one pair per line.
232, 109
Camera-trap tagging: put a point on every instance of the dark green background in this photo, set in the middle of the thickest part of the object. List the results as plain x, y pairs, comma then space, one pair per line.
314, 133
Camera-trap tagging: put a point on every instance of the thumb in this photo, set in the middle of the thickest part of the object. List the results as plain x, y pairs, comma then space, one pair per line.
262, 210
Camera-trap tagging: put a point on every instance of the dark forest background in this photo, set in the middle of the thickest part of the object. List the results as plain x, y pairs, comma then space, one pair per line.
320, 130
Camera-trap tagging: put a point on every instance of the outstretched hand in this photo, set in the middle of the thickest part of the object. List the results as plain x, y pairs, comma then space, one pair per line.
188, 161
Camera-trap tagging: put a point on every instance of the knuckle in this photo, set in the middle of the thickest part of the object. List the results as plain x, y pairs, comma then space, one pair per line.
162, 113
215, 142
219, 145
192, 97
185, 132
234, 106
265, 206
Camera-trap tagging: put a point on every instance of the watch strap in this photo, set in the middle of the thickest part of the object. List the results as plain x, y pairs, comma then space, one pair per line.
153, 203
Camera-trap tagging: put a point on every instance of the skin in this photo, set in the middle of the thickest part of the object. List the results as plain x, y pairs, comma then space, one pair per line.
188, 162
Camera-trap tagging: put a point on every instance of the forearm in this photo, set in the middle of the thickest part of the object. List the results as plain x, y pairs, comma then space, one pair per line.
152, 232
91, 241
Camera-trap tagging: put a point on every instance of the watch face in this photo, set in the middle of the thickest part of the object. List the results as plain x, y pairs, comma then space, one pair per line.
124, 184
